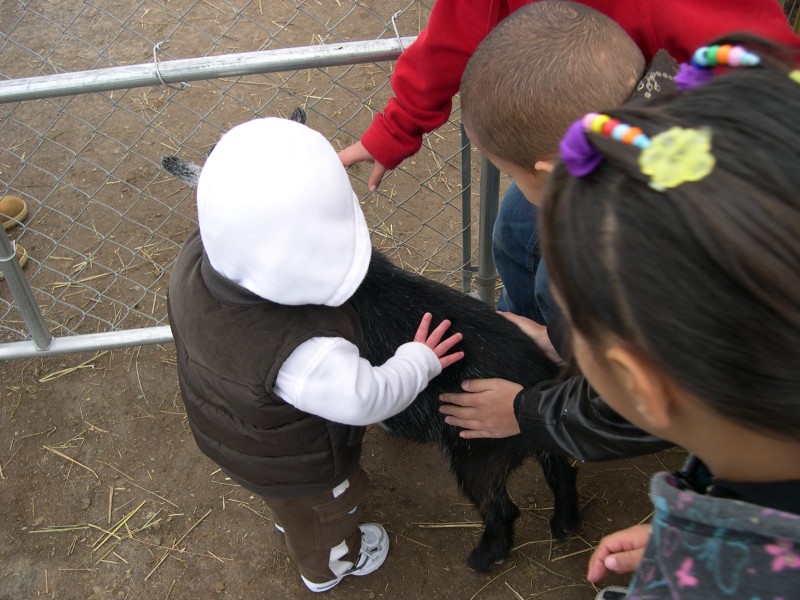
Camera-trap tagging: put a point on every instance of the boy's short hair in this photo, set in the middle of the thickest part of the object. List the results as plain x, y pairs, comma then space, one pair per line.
542, 67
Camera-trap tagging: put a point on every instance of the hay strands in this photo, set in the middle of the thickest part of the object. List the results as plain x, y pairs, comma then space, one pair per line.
61, 528
72, 460
84, 365
113, 531
461, 525
175, 545
61, 284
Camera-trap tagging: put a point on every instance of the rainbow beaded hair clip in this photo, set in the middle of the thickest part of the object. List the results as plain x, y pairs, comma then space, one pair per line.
700, 68
671, 158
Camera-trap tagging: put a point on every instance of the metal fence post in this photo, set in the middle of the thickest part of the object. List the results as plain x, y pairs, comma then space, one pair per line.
22, 294
466, 211
490, 201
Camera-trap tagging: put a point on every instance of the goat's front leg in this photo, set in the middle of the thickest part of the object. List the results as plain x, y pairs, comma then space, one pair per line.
482, 475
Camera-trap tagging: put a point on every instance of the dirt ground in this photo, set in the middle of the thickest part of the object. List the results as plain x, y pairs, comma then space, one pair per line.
104, 494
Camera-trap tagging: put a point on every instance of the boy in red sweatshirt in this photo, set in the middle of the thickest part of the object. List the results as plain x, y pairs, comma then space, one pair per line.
568, 417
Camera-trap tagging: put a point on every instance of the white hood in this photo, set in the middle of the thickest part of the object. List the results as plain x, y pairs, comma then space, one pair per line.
278, 215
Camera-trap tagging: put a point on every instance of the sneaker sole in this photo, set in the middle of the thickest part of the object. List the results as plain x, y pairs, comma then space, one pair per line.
324, 587
317, 588
375, 565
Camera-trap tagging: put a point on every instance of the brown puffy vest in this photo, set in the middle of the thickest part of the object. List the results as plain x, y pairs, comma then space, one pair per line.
230, 346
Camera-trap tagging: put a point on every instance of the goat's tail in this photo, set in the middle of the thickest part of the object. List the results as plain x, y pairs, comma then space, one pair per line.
299, 115
187, 172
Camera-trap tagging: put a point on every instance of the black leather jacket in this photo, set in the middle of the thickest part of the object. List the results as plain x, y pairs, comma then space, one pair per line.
568, 417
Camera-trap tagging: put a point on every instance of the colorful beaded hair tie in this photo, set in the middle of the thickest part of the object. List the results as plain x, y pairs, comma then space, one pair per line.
613, 128
700, 68
670, 158
708, 57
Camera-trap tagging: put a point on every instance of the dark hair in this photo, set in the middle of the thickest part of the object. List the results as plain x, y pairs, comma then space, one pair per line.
541, 68
703, 277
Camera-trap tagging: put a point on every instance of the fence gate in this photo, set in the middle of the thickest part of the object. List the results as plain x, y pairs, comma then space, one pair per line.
95, 93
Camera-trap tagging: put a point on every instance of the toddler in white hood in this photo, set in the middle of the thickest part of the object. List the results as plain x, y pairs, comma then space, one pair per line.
268, 346
279, 218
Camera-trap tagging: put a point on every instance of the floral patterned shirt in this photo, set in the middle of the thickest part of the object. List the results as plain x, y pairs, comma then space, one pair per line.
703, 546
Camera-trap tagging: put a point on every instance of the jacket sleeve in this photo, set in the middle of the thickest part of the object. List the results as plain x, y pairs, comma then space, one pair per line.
427, 76
327, 377
569, 418
681, 26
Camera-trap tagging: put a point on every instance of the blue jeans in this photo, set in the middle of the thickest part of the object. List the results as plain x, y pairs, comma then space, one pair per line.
515, 248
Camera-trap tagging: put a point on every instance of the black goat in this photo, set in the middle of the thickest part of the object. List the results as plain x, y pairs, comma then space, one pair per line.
390, 303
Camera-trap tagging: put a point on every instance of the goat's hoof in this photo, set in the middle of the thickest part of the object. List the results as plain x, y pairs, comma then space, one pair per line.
482, 561
561, 528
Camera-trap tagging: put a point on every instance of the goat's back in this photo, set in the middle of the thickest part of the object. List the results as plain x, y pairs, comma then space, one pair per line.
390, 303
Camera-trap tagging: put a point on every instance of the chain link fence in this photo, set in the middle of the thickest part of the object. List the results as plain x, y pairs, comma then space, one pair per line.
792, 10
106, 222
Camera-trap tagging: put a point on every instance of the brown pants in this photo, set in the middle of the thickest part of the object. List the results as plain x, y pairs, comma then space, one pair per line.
314, 525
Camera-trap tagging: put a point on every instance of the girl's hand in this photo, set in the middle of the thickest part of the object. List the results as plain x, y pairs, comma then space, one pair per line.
434, 340
620, 552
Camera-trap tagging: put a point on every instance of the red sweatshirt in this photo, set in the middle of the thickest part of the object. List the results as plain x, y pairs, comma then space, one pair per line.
428, 73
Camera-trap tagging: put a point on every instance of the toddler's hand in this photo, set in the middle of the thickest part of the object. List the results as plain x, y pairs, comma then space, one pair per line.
620, 552
356, 153
435, 343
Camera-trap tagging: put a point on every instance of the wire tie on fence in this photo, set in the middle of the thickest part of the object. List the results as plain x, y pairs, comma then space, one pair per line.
182, 85
396, 31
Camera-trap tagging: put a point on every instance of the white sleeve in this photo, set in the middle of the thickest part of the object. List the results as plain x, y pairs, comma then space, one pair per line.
327, 377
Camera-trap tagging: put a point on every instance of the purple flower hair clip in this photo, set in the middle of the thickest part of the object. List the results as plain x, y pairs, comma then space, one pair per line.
690, 77
579, 155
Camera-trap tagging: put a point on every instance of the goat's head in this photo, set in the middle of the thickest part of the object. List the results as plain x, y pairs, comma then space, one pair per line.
189, 172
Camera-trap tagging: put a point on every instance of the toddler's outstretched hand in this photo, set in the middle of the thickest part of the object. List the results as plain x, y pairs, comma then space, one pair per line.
434, 340
620, 552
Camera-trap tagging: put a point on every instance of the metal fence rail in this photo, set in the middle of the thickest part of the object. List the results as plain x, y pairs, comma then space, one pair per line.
792, 10
84, 126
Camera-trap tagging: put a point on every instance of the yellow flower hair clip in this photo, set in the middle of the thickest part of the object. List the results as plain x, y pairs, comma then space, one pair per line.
676, 156
670, 158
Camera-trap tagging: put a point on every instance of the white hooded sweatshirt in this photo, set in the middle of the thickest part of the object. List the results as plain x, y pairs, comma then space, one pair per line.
278, 217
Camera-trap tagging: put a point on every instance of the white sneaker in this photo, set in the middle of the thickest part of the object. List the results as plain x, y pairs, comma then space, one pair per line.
614, 592
374, 548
